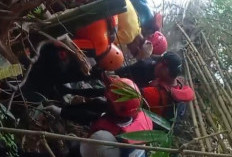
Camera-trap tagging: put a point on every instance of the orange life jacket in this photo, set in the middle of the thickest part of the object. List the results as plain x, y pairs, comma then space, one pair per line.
97, 36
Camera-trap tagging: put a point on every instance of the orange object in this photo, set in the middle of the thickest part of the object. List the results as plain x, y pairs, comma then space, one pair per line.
112, 59
95, 36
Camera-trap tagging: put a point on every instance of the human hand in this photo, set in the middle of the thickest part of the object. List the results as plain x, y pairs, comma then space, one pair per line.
53, 109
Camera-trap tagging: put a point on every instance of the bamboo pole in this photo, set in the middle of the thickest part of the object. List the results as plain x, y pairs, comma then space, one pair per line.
217, 65
201, 123
107, 143
72, 19
214, 100
227, 99
210, 120
44, 141
220, 100
198, 112
214, 87
223, 66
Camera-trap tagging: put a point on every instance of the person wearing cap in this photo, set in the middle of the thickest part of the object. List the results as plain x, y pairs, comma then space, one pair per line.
143, 72
167, 90
160, 83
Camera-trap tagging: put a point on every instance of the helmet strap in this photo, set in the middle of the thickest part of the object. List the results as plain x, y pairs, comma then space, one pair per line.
100, 57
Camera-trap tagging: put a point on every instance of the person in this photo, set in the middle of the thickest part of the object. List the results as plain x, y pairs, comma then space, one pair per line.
143, 72
167, 90
150, 22
119, 117
96, 41
159, 81
129, 33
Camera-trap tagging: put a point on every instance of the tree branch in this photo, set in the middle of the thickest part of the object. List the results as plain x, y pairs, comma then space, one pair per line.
99, 142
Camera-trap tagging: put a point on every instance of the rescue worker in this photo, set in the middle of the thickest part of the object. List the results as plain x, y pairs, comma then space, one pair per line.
159, 82
150, 22
167, 90
141, 45
129, 33
121, 117
96, 41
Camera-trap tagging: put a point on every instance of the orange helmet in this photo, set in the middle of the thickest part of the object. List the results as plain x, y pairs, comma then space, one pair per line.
159, 43
128, 108
112, 60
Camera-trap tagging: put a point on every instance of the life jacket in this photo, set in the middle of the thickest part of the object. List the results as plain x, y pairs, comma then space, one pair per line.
140, 123
97, 36
161, 98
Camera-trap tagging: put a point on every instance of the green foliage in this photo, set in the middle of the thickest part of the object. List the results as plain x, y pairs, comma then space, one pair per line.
4, 114
9, 140
125, 91
167, 144
6, 138
154, 137
146, 136
36, 13
158, 119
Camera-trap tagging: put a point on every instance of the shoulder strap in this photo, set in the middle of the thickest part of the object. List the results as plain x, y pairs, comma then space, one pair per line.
105, 123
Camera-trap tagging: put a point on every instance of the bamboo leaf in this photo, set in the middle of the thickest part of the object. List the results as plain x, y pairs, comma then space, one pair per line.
159, 154
8, 113
158, 119
146, 136
166, 144
123, 99
125, 91
120, 92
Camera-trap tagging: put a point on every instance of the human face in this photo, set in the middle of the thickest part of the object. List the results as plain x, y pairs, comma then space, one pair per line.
162, 71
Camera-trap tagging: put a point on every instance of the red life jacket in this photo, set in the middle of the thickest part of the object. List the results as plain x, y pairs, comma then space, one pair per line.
160, 96
140, 123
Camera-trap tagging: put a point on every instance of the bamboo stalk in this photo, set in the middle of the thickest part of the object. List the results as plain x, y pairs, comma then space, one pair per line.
214, 100
222, 65
227, 99
203, 137
220, 100
72, 19
210, 120
107, 143
217, 65
201, 123
214, 87
48, 147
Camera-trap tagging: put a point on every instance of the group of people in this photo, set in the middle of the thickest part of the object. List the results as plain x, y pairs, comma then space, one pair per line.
155, 76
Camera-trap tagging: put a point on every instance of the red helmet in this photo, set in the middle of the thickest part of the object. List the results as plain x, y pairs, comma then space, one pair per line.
159, 43
112, 60
127, 108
